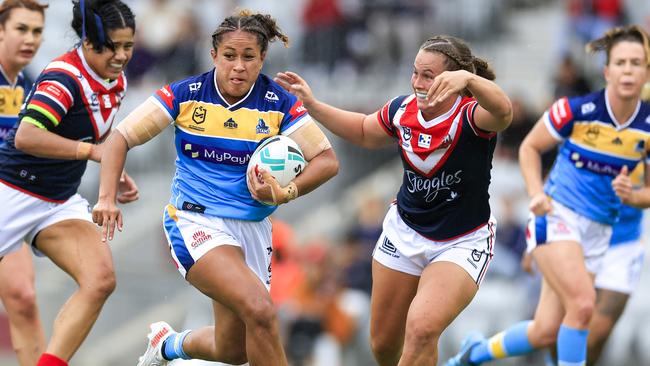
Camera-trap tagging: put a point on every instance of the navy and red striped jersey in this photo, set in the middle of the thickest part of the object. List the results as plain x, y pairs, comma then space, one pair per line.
71, 100
447, 163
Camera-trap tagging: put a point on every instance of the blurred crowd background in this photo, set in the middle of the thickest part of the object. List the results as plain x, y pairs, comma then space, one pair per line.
356, 54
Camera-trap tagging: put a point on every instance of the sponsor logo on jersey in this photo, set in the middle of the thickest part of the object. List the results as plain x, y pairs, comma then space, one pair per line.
587, 108
194, 86
230, 123
297, 110
445, 142
194, 207
94, 102
406, 133
107, 101
424, 140
271, 96
617, 141
640, 146
431, 188
593, 132
199, 237
198, 115
262, 127
214, 154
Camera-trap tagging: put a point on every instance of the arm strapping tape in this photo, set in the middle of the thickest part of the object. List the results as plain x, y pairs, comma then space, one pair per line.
143, 123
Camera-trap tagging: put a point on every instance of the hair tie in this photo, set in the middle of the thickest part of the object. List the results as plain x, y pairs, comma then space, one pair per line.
82, 6
100, 29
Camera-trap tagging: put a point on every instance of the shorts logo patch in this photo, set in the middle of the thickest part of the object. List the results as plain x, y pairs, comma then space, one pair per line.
561, 228
476, 255
388, 248
200, 237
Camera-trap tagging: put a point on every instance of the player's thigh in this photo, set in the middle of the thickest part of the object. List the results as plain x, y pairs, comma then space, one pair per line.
563, 266
223, 275
17, 275
446, 287
76, 247
392, 293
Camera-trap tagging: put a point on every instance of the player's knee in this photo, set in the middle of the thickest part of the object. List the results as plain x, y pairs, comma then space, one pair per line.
543, 335
259, 312
100, 284
581, 309
384, 347
20, 300
421, 333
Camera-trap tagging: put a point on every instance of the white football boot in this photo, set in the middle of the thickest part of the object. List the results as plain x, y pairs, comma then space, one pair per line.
153, 356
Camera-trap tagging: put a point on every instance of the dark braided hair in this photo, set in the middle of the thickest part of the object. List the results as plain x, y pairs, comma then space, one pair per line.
630, 33
263, 26
458, 56
8, 5
100, 17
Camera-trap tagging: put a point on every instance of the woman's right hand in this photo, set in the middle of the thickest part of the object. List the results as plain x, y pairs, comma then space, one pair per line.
297, 86
540, 204
107, 215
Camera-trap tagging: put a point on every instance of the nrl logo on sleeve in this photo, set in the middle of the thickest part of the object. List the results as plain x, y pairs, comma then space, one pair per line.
198, 115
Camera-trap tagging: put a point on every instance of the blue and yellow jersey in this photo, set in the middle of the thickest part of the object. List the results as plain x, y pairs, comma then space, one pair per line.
594, 149
628, 227
214, 141
12, 94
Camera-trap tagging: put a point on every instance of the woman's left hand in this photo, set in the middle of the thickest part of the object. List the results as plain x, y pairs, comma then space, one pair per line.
622, 185
446, 84
264, 188
127, 189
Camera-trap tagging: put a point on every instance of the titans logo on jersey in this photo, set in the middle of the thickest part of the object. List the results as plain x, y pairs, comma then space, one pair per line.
214, 141
447, 164
594, 149
11, 98
68, 99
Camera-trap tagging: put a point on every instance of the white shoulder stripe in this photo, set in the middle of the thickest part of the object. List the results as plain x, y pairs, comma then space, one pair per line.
301, 122
62, 87
550, 128
64, 66
157, 103
49, 97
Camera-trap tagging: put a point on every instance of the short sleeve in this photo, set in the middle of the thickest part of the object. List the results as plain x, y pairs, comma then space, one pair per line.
386, 114
166, 99
52, 97
295, 115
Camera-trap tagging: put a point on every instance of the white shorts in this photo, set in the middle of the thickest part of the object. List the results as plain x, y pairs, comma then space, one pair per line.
564, 224
401, 248
621, 268
24, 216
191, 235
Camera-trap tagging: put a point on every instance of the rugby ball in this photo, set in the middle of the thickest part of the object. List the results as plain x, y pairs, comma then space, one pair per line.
280, 156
